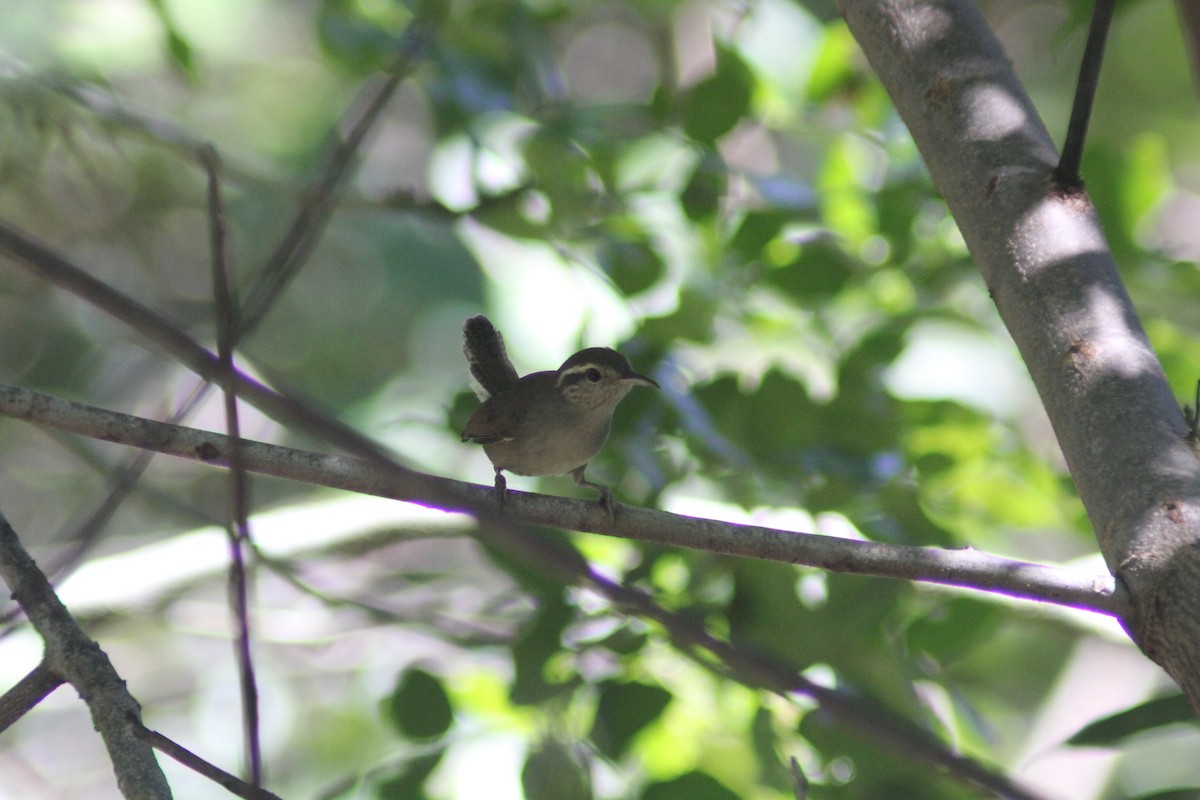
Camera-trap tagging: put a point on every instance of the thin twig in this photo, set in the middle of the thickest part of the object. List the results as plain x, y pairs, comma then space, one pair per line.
27, 693
157, 329
239, 508
761, 671
286, 260
197, 764
301, 237
1067, 173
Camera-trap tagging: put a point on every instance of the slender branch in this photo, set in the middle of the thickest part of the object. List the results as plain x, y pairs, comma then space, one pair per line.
286, 260
314, 213
71, 655
154, 327
27, 693
761, 671
197, 764
964, 568
1067, 172
238, 526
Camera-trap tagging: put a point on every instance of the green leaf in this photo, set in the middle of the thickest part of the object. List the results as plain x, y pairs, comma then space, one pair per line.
362, 37
819, 271
552, 773
179, 48
692, 786
540, 641
634, 266
409, 783
954, 629
419, 707
1156, 713
701, 196
716, 104
623, 711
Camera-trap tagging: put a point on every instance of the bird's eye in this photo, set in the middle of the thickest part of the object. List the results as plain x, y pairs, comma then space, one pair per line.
593, 375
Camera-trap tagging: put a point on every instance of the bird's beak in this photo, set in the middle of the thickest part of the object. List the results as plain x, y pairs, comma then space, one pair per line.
639, 380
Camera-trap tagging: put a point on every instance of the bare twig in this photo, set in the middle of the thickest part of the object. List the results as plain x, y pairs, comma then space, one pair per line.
292, 252
1067, 173
157, 329
27, 693
761, 671
964, 568
199, 765
238, 526
799, 780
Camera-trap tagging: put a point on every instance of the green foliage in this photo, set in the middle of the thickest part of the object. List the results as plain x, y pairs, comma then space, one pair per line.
419, 707
727, 196
551, 773
625, 709
693, 785
1143, 718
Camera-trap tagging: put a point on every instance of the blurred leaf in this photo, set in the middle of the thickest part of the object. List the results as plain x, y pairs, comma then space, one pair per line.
409, 783
708, 184
634, 266
834, 70
692, 786
691, 321
820, 270
179, 49
1114, 729
624, 709
363, 37
509, 214
419, 707
954, 628
552, 773
716, 104
561, 169
541, 640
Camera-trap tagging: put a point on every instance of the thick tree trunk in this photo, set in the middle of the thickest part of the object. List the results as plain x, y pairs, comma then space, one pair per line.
1044, 258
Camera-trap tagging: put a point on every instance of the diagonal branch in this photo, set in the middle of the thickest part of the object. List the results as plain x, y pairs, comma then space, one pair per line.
27, 693
72, 656
1044, 258
963, 568
554, 557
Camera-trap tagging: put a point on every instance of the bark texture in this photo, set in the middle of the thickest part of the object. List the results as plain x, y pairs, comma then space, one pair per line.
1043, 255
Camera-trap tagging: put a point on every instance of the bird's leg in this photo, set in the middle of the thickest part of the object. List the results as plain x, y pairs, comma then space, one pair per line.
605, 499
501, 487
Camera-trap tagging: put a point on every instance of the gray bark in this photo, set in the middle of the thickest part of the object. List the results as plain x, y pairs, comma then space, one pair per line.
1043, 256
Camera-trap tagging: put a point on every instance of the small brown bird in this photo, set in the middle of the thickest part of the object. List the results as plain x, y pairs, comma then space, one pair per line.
546, 423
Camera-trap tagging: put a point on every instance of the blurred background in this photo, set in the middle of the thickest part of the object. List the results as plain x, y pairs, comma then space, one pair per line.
722, 191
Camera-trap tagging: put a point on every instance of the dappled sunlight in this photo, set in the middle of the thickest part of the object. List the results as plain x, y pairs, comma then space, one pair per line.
1055, 231
992, 113
1118, 349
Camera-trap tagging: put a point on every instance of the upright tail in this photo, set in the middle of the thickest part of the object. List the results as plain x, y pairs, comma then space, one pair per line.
484, 348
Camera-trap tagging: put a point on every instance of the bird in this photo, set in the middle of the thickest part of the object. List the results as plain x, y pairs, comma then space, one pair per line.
545, 423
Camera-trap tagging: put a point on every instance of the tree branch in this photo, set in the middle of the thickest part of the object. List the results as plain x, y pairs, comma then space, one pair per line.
1043, 256
963, 568
71, 655
27, 693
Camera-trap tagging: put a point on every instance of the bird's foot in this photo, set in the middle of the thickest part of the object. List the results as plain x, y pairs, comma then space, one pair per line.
501, 489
